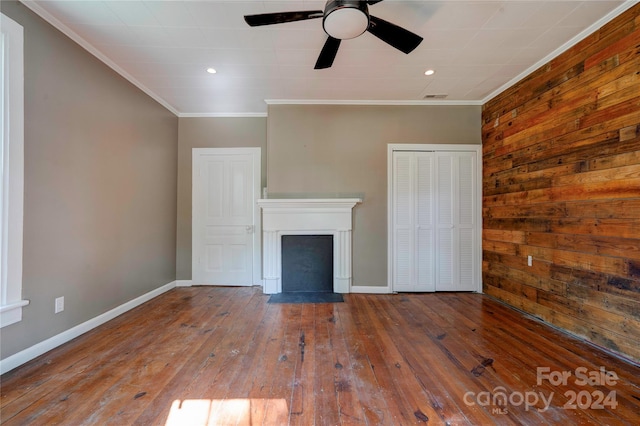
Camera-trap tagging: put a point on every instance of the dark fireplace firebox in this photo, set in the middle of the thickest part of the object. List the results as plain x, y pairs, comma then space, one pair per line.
307, 263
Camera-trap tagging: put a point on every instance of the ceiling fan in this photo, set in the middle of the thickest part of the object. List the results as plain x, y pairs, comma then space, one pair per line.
343, 20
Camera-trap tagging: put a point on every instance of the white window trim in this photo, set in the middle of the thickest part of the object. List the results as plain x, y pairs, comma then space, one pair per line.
11, 302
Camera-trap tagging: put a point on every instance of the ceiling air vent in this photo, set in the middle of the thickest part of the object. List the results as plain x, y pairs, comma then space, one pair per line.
436, 96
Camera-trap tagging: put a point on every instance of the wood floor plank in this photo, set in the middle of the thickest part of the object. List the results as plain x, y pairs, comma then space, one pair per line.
528, 358
439, 364
39, 376
432, 367
278, 383
539, 349
368, 389
325, 389
238, 370
349, 407
408, 396
262, 352
423, 359
482, 362
88, 381
257, 358
221, 322
158, 364
303, 406
216, 355
212, 381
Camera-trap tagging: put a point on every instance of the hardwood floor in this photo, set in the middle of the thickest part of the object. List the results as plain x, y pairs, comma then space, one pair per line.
225, 356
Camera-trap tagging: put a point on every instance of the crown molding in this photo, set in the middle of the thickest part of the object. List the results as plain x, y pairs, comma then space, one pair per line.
626, 5
38, 10
366, 102
222, 114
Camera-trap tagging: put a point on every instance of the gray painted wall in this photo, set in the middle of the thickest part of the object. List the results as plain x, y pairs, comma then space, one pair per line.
100, 187
216, 132
343, 149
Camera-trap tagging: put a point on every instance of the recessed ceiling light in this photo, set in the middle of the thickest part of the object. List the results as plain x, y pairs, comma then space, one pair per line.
429, 72
211, 70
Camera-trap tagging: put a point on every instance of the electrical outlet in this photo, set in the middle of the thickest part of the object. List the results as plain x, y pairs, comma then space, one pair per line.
59, 304
530, 260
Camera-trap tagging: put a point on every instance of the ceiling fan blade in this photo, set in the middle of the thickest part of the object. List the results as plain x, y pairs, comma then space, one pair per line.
398, 37
281, 17
328, 53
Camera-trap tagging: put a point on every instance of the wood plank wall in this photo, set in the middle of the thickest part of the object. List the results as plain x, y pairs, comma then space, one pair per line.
561, 183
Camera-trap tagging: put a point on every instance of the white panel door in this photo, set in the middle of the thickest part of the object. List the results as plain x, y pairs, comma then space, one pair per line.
224, 215
456, 221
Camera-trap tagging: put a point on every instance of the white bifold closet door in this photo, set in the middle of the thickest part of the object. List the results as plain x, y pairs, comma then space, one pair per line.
434, 221
414, 221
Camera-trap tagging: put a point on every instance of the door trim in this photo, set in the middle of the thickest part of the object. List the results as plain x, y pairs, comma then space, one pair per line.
256, 154
391, 148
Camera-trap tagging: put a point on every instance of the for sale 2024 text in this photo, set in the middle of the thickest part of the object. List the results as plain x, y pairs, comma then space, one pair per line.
582, 376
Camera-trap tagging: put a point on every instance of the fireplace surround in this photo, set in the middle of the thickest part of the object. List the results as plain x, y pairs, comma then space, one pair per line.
313, 216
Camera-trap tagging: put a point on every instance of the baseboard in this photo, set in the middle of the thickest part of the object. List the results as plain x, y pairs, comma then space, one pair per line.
45, 346
184, 283
370, 289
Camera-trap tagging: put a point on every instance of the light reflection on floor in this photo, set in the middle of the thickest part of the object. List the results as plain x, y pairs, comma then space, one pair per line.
240, 411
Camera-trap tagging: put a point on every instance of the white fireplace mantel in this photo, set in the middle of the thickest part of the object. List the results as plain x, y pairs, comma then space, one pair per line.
313, 216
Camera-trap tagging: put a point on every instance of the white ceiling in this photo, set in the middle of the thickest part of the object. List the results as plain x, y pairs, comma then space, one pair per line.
476, 47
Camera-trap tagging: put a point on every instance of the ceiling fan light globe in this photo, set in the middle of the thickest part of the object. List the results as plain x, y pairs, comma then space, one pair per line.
345, 23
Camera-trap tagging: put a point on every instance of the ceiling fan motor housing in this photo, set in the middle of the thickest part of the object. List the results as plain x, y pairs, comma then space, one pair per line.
345, 19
